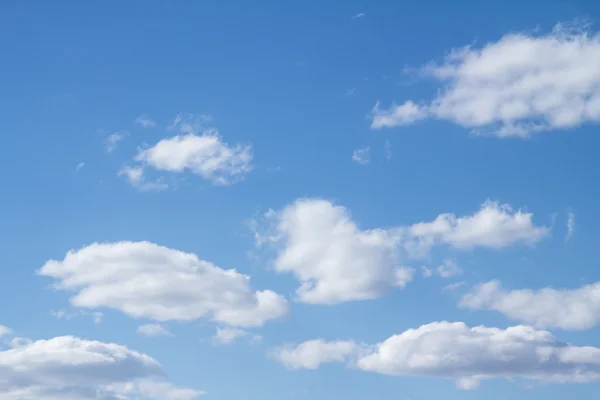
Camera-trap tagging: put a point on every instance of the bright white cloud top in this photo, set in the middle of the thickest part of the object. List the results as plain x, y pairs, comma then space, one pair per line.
521, 84
70, 368
456, 351
336, 261
145, 280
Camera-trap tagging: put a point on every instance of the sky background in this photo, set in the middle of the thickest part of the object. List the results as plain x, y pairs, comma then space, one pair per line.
296, 81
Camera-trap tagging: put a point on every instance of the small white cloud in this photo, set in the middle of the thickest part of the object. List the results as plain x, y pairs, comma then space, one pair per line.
153, 330
359, 15
426, 272
362, 156
79, 166
449, 269
311, 354
144, 121
111, 141
570, 309
570, 226
228, 335
453, 286
5, 331
136, 178
521, 84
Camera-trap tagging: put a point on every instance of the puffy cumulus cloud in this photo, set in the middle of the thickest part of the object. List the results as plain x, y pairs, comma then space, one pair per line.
311, 354
570, 309
493, 226
453, 350
521, 84
152, 330
336, 261
198, 150
225, 335
70, 368
470, 355
145, 280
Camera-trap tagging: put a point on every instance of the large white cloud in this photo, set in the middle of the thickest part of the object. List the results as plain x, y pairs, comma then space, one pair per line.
571, 309
520, 84
336, 261
311, 354
70, 368
465, 354
143, 279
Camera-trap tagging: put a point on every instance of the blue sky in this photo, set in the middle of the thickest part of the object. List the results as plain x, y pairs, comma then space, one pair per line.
406, 193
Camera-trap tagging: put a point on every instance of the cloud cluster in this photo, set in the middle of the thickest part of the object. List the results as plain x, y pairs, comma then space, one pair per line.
456, 351
337, 261
145, 280
518, 85
571, 309
70, 368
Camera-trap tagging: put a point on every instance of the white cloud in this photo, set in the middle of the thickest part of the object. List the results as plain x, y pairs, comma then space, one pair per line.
311, 354
79, 166
145, 121
453, 286
228, 335
153, 330
359, 15
448, 269
62, 314
136, 178
70, 368
470, 355
572, 309
145, 280
518, 85
5, 331
427, 272
570, 226
111, 141
362, 156
336, 261
493, 226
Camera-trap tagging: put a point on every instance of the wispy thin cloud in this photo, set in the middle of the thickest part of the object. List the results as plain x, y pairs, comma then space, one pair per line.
388, 150
350, 92
145, 121
362, 156
570, 226
79, 166
359, 15
111, 141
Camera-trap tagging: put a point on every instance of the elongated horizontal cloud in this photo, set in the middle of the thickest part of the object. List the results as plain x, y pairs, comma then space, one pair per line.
336, 261
518, 85
465, 354
570, 309
70, 368
145, 280
311, 354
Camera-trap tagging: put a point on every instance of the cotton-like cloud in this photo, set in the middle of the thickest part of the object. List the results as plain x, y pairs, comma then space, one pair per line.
311, 354
70, 368
145, 280
337, 261
199, 151
518, 85
571, 309
334, 259
362, 156
152, 330
465, 354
